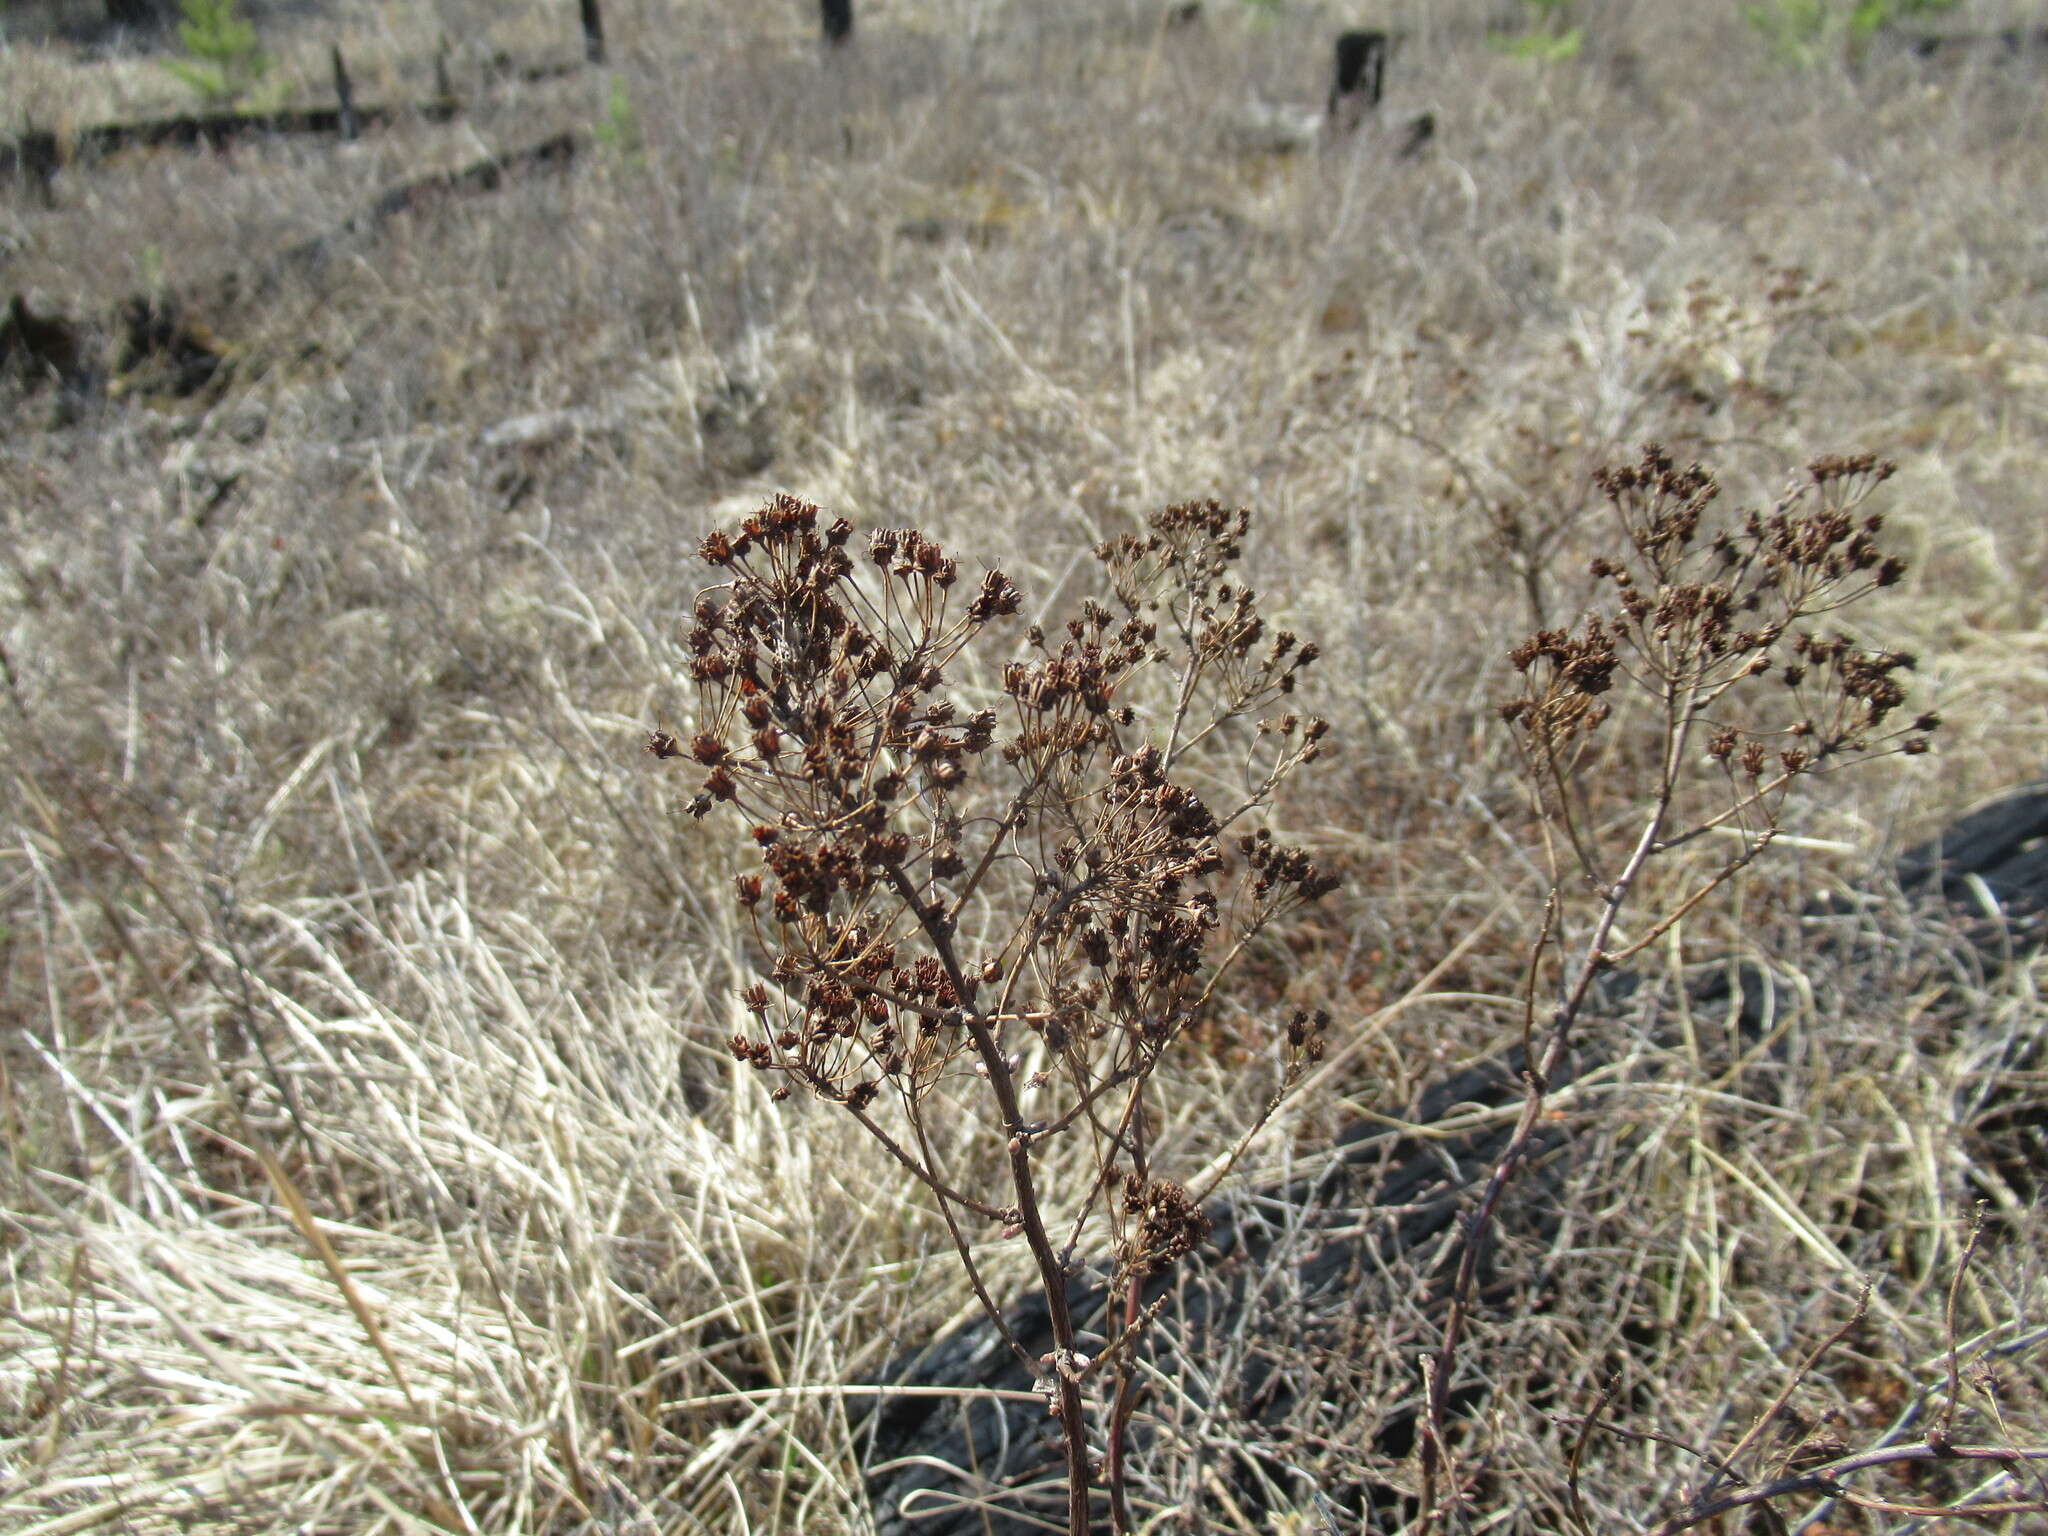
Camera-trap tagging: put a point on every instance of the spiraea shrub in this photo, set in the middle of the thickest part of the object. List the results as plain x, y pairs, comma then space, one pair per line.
1718, 631
981, 866
1708, 681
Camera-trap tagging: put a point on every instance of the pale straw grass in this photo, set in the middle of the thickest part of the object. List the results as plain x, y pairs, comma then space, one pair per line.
375, 1162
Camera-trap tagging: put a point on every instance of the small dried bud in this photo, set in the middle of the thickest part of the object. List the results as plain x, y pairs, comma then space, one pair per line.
996, 598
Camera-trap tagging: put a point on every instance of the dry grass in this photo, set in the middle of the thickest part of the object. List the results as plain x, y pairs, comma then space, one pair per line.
373, 1160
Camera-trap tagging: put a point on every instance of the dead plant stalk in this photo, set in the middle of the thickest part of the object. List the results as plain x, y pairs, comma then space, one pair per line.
1015, 899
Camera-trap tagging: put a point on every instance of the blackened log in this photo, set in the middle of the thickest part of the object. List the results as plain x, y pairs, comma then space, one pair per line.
480, 176
38, 154
2004, 845
486, 175
38, 348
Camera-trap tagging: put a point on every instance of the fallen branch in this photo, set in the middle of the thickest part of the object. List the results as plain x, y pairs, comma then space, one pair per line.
486, 175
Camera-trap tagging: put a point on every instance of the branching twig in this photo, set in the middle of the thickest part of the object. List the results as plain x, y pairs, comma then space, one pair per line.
943, 900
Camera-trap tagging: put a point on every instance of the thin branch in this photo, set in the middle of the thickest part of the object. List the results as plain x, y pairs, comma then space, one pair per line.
1826, 1480
1778, 1404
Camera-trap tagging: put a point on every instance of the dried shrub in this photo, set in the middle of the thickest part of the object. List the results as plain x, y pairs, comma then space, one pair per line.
996, 873
1711, 639
1717, 634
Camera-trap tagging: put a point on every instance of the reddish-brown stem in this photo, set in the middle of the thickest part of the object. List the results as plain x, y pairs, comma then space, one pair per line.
1593, 960
1052, 1273
1826, 1479
1770, 1415
1113, 1467
1955, 1292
